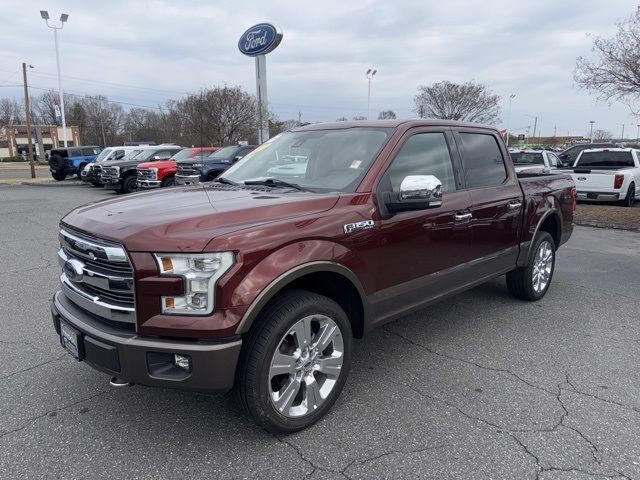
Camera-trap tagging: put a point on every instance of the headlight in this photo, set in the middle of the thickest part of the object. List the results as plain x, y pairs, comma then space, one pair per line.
154, 172
200, 271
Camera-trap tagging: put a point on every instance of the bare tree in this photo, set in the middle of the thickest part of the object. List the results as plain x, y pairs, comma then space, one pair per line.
359, 117
11, 112
470, 101
614, 73
342, 119
387, 115
600, 135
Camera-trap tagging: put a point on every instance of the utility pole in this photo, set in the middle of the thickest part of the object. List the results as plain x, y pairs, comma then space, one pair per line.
535, 124
622, 135
299, 118
591, 131
511, 97
27, 107
638, 135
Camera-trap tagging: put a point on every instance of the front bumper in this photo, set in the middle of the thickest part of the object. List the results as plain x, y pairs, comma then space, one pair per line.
187, 179
149, 183
147, 360
111, 182
597, 196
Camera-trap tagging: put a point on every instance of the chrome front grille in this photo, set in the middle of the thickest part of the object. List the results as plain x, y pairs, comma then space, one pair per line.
186, 170
146, 174
97, 276
110, 172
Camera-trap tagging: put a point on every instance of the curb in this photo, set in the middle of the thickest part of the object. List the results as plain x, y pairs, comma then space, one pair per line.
606, 225
41, 184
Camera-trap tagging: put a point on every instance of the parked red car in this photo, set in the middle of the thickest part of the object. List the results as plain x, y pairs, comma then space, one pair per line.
163, 173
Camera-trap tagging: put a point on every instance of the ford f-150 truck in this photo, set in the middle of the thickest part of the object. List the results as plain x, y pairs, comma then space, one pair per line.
192, 171
255, 283
608, 175
163, 173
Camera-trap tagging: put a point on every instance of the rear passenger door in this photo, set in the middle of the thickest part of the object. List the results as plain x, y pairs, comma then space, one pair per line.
496, 201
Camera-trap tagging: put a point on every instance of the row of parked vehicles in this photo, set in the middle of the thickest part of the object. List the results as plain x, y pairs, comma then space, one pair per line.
602, 172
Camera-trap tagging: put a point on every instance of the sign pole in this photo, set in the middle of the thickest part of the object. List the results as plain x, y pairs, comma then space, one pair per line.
261, 88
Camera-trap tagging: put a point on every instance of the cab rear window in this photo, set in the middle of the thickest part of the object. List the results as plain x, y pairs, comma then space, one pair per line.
605, 159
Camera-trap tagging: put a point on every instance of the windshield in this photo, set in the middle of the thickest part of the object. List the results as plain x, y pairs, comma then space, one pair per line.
132, 153
225, 152
605, 159
103, 154
183, 154
320, 160
527, 158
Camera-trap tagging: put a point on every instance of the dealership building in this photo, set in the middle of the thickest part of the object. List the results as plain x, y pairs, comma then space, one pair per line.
14, 139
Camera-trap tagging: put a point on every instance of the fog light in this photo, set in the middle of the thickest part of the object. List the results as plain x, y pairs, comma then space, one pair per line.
182, 361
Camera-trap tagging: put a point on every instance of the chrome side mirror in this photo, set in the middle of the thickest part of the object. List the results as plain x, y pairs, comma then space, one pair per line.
417, 192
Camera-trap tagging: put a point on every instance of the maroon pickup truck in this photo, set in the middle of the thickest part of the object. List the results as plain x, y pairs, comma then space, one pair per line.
260, 281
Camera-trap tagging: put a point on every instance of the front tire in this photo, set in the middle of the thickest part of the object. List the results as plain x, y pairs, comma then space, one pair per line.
79, 172
294, 362
130, 184
532, 281
58, 176
168, 182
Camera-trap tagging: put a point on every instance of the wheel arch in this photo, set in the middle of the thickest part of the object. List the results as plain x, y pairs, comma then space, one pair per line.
325, 278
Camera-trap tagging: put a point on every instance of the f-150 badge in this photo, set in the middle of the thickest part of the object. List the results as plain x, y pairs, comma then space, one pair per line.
358, 226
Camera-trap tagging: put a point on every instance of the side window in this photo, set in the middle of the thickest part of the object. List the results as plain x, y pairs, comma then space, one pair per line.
162, 155
423, 154
88, 151
482, 160
553, 160
75, 152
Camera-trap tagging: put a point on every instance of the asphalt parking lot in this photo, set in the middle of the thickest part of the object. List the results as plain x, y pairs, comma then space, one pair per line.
480, 386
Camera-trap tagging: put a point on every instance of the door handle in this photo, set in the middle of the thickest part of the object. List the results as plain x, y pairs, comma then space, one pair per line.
514, 205
463, 217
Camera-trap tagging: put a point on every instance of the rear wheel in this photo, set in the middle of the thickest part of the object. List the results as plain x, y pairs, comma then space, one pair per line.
294, 362
532, 281
59, 176
168, 182
130, 184
630, 199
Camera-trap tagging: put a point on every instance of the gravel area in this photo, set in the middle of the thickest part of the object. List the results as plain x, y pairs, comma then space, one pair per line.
610, 216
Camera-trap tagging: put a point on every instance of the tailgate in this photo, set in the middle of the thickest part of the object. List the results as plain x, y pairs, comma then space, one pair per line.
596, 181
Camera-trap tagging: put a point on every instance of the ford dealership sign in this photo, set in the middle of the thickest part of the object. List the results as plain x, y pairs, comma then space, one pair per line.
260, 40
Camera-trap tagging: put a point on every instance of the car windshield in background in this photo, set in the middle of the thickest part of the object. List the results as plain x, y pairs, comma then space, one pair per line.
131, 154
605, 159
319, 160
527, 158
225, 152
182, 154
103, 154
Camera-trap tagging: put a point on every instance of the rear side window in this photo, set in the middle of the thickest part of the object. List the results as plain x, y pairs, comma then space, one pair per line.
423, 154
482, 160
605, 159
75, 152
90, 151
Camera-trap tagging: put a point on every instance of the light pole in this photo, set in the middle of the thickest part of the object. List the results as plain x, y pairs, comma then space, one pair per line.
511, 97
638, 135
370, 74
63, 19
622, 134
591, 131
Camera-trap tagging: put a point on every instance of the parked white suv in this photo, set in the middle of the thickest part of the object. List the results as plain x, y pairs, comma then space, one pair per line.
608, 175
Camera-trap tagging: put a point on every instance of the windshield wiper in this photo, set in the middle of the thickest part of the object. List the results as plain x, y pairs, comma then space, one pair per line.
225, 181
275, 182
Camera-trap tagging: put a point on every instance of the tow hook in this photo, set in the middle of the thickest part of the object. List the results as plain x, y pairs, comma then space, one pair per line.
116, 382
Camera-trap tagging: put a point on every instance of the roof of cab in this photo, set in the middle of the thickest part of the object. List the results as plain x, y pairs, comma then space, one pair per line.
391, 124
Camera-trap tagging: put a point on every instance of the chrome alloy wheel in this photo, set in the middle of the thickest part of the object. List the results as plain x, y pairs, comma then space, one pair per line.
306, 366
542, 265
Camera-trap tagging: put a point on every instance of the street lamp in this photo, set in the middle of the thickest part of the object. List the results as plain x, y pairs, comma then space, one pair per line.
638, 135
370, 74
63, 19
622, 134
511, 97
591, 132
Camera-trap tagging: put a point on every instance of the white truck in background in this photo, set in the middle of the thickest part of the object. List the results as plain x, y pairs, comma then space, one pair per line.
608, 175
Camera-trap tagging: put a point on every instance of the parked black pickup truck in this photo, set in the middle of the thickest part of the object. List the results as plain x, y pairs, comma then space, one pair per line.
261, 282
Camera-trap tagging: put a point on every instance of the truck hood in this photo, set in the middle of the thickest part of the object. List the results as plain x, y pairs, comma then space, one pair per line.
186, 219
159, 164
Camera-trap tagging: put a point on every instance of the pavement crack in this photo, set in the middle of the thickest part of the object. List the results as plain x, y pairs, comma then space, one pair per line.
32, 420
395, 452
468, 362
604, 400
34, 366
584, 472
539, 468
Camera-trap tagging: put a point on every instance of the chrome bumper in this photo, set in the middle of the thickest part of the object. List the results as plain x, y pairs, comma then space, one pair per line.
187, 179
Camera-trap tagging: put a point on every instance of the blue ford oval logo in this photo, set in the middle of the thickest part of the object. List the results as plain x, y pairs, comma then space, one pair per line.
74, 270
582, 179
260, 40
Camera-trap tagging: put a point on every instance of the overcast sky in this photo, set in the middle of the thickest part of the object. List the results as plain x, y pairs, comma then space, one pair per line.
145, 52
